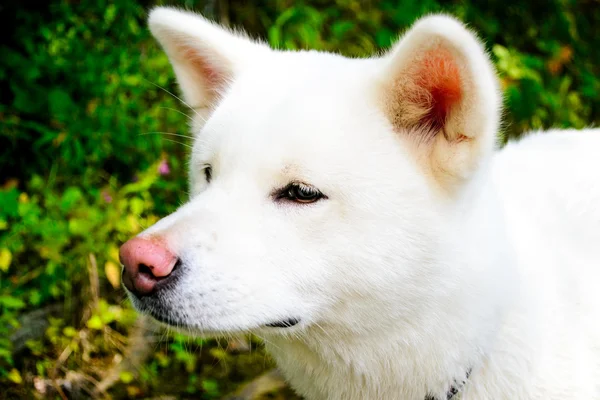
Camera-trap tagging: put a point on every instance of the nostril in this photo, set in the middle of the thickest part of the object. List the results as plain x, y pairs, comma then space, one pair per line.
177, 265
143, 269
148, 272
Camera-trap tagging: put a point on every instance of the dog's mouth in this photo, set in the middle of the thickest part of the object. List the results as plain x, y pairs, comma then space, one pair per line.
165, 318
286, 323
161, 314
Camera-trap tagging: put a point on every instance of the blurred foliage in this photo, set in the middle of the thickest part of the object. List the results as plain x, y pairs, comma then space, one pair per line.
84, 165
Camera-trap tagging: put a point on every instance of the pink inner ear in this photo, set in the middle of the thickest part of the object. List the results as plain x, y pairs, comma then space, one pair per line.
439, 75
212, 76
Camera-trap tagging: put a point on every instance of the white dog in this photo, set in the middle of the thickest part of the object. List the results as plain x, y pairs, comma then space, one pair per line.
356, 214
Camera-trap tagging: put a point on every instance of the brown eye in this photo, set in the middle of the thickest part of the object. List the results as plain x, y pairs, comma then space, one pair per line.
301, 193
208, 173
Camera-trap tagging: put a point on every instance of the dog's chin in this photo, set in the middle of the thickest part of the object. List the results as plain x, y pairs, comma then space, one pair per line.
270, 328
187, 329
175, 322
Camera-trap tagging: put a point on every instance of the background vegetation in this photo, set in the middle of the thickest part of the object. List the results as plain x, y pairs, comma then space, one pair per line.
82, 167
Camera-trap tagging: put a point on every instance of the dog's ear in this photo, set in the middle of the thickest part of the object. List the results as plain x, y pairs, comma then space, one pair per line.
440, 91
205, 56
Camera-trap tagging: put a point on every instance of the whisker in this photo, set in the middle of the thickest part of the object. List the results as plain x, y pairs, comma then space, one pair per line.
176, 110
268, 342
178, 98
181, 143
327, 334
166, 133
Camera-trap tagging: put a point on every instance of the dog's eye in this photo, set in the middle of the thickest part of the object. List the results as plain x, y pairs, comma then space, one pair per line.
208, 173
301, 193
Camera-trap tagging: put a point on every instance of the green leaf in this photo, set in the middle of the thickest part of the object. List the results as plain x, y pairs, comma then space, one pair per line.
11, 302
95, 323
60, 104
6, 355
69, 331
110, 13
15, 376
70, 197
80, 226
5, 259
211, 387
9, 202
137, 205
35, 297
126, 377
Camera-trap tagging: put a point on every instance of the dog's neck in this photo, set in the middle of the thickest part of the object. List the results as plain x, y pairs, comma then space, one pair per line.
391, 363
388, 354
373, 368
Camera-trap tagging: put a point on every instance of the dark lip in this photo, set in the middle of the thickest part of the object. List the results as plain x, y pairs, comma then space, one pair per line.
165, 319
286, 323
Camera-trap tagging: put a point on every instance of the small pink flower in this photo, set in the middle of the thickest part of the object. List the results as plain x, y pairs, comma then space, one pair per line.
163, 167
106, 196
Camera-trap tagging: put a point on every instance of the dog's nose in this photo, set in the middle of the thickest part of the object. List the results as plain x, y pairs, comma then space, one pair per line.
145, 262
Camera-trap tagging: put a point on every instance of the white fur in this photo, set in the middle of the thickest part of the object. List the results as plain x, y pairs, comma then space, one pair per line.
431, 255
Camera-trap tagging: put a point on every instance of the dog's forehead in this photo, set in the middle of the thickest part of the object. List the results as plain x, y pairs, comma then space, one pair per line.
300, 83
293, 101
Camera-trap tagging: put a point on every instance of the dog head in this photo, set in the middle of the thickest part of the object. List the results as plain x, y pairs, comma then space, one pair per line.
324, 190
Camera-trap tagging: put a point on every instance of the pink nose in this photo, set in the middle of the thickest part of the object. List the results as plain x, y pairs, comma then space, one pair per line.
146, 262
